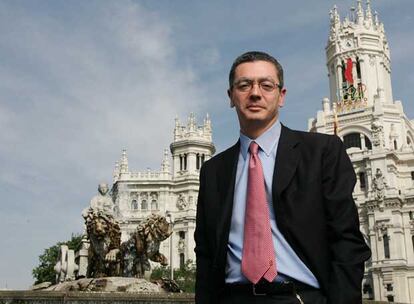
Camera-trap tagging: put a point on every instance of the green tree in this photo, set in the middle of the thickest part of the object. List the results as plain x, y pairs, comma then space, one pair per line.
184, 276
44, 272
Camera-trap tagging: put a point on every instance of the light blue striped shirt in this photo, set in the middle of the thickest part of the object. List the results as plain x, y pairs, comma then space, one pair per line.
287, 262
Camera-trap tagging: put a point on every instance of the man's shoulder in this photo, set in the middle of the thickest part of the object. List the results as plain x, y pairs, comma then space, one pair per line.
310, 138
223, 157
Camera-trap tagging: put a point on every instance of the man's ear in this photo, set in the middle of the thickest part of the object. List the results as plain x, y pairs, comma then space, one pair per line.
231, 100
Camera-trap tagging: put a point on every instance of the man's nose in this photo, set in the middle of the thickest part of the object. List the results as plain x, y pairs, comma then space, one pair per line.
255, 93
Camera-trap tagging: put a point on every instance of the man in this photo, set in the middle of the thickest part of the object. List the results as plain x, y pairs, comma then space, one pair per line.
276, 221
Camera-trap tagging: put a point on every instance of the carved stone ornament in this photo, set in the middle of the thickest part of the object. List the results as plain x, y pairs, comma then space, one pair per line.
144, 196
372, 60
154, 196
379, 185
381, 227
181, 202
181, 245
377, 133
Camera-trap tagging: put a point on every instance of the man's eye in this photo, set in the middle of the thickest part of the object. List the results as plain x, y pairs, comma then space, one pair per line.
243, 86
268, 86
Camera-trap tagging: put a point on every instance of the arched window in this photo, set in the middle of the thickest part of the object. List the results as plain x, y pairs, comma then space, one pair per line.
144, 205
134, 205
386, 240
154, 205
408, 141
362, 181
368, 144
352, 140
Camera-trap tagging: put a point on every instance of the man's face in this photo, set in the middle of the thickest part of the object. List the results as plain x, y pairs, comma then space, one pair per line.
257, 106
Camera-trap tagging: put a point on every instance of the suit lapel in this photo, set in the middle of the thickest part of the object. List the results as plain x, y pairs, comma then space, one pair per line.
287, 158
226, 180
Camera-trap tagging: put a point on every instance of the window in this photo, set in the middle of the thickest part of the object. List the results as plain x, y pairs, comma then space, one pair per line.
352, 140
134, 205
367, 289
154, 205
386, 240
390, 298
202, 158
198, 161
362, 181
181, 162
412, 240
368, 144
185, 162
343, 75
412, 175
395, 145
144, 205
358, 68
181, 235
182, 260
389, 287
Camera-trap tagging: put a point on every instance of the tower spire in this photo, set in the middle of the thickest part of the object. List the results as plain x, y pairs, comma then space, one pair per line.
115, 175
376, 20
165, 165
124, 162
359, 13
368, 13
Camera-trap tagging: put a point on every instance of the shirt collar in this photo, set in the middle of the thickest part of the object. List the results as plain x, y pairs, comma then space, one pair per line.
266, 141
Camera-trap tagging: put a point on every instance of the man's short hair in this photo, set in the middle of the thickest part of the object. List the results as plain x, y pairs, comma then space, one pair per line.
255, 56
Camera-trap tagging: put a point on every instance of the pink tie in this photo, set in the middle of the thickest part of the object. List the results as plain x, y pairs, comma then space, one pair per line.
258, 258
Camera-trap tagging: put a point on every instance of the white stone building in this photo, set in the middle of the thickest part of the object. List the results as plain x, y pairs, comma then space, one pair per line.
173, 190
380, 142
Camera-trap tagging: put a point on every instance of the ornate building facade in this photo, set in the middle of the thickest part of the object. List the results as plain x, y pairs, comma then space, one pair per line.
170, 191
380, 142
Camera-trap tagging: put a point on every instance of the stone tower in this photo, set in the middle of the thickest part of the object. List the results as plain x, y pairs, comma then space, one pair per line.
379, 140
191, 147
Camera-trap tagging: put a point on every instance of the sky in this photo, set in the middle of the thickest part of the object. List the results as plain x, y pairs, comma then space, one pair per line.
82, 80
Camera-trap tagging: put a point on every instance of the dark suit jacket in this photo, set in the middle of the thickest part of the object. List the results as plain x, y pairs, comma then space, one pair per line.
312, 190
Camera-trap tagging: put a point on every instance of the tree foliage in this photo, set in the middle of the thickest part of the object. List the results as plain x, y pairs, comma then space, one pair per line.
184, 276
44, 272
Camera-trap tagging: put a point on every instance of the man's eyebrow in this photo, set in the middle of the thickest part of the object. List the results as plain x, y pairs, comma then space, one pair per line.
259, 79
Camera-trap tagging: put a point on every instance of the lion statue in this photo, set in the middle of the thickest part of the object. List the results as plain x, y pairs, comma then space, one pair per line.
105, 240
144, 245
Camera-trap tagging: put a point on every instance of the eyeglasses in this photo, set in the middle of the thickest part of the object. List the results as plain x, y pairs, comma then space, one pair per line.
246, 85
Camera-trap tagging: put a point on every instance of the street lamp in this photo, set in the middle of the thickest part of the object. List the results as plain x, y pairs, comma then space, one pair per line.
168, 214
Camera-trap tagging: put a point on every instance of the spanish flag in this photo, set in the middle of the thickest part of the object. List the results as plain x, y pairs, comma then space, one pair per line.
348, 71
